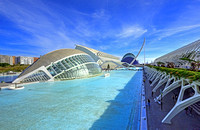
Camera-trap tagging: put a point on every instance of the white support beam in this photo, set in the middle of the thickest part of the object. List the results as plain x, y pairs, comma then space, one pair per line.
161, 82
150, 74
42, 68
169, 88
171, 84
154, 75
182, 104
157, 79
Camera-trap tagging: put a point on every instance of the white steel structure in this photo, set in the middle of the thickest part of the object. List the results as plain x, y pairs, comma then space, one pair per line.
191, 51
103, 59
138, 52
184, 99
60, 65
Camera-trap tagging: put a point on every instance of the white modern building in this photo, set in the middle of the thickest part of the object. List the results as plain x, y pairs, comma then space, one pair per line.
191, 51
103, 59
6, 59
61, 64
67, 64
24, 60
188, 92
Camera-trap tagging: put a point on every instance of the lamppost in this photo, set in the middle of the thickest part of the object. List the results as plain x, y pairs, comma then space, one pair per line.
161, 93
144, 54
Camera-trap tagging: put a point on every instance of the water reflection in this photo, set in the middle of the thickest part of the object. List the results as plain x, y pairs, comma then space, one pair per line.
8, 78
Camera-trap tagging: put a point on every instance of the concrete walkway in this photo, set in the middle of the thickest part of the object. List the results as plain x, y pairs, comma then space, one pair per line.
4, 85
155, 114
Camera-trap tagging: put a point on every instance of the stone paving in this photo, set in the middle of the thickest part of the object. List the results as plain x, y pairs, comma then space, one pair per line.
182, 121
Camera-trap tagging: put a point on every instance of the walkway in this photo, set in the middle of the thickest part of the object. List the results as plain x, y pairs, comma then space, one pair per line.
155, 114
4, 85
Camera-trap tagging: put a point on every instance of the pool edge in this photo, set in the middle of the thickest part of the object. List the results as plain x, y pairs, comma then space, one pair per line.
143, 115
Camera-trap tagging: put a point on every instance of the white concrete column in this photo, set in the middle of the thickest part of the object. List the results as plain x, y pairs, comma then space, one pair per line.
161, 82
182, 104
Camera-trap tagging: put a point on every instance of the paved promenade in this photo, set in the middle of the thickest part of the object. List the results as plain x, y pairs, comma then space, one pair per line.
3, 85
155, 114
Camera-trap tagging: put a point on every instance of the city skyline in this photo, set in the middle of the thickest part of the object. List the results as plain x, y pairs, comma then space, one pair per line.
115, 27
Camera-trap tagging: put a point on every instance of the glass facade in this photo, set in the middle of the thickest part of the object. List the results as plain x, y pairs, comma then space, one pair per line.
78, 66
73, 67
38, 76
80, 71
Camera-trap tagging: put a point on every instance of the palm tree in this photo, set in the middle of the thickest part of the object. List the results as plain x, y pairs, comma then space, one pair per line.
198, 64
192, 62
170, 64
187, 59
160, 63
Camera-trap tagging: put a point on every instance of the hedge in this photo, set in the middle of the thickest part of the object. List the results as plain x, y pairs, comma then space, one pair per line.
179, 72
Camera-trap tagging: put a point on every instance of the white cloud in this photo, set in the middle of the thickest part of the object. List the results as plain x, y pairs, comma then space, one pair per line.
39, 21
49, 29
132, 31
169, 32
99, 14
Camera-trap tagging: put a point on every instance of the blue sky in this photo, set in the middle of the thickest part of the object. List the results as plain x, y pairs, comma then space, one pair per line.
34, 28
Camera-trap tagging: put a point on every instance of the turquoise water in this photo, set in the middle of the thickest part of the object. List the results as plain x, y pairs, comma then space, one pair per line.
93, 103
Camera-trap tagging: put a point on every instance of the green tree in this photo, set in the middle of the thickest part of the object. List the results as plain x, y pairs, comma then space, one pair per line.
4, 64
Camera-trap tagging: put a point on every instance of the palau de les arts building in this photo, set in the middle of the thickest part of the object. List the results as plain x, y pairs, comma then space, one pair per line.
67, 64
128, 58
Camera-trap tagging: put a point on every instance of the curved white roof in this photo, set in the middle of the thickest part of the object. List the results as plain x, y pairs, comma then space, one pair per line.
50, 57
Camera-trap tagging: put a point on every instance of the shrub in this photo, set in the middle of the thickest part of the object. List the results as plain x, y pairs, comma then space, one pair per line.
4, 64
179, 72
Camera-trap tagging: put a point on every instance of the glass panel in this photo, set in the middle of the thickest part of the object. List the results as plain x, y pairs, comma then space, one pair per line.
51, 71
38, 76
79, 69
65, 64
60, 66
56, 68
69, 62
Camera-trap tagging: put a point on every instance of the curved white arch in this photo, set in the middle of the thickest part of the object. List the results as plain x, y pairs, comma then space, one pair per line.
138, 52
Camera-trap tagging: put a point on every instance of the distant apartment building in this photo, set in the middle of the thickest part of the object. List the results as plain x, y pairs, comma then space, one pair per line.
12, 60
24, 60
6, 59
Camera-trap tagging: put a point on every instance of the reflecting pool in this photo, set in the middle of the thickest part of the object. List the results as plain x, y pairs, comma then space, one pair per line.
8, 78
94, 103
